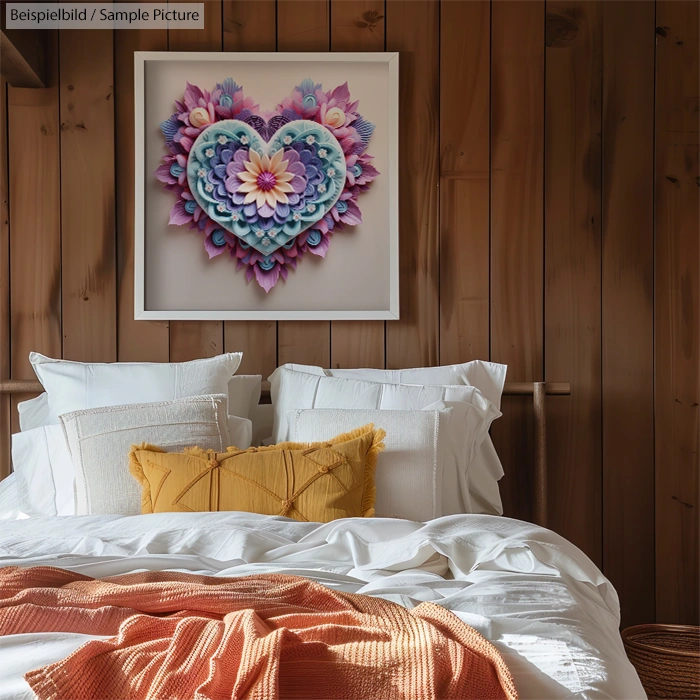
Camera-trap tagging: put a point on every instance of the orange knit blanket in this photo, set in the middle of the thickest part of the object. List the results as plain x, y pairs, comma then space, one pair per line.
268, 636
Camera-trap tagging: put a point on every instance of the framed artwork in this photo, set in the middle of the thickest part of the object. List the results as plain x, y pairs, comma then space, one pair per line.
266, 186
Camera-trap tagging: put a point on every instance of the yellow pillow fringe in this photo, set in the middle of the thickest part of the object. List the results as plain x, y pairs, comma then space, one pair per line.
370, 492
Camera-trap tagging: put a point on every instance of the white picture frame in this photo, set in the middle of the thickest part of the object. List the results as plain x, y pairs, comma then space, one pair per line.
359, 275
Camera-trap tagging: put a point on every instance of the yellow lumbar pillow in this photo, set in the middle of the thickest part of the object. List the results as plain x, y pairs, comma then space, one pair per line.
315, 482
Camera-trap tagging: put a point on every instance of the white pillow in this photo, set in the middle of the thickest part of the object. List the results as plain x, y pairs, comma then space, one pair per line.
75, 386
99, 440
45, 473
262, 418
298, 390
418, 474
487, 377
244, 394
33, 413
44, 470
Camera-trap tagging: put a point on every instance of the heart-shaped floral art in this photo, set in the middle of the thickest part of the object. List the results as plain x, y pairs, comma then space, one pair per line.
267, 187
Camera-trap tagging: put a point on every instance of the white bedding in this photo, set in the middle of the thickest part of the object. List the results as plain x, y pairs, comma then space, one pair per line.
544, 604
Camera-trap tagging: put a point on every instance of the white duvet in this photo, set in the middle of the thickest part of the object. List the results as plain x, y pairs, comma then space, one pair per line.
544, 604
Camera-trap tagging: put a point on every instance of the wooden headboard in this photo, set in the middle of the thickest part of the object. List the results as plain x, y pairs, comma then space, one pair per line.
538, 391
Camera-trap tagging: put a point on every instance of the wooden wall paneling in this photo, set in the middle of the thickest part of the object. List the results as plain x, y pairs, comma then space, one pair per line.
138, 341
87, 195
251, 31
190, 340
517, 131
5, 409
677, 196
628, 298
303, 25
357, 26
35, 237
572, 195
465, 73
413, 28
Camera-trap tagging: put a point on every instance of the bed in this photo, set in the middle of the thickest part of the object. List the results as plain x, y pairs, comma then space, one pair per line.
546, 607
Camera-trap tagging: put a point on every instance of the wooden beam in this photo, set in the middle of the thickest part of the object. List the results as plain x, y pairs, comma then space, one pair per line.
22, 56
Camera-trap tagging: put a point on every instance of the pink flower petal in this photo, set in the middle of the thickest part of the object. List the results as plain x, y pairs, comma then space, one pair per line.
178, 215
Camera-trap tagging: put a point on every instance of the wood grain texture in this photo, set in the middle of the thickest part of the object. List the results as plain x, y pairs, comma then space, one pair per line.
517, 129
465, 72
5, 344
138, 341
628, 298
677, 257
87, 196
35, 237
572, 195
245, 30
208, 39
251, 31
357, 26
190, 340
22, 56
303, 25
413, 28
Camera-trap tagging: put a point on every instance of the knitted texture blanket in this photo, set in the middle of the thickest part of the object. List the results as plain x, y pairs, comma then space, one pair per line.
178, 635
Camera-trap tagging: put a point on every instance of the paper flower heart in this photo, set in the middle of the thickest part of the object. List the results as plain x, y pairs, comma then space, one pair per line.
270, 187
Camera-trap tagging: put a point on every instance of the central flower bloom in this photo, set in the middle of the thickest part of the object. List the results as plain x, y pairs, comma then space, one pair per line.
265, 180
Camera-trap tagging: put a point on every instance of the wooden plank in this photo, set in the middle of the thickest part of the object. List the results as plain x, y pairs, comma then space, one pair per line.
208, 39
35, 238
413, 28
5, 410
87, 195
465, 70
357, 26
677, 375
139, 341
628, 295
251, 31
22, 56
190, 340
303, 25
517, 126
573, 114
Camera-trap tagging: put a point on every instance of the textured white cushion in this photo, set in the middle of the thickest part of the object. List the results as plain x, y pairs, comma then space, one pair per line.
99, 440
298, 390
44, 470
75, 386
414, 469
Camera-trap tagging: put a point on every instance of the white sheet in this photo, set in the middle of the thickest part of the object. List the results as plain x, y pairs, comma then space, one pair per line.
9, 499
543, 603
